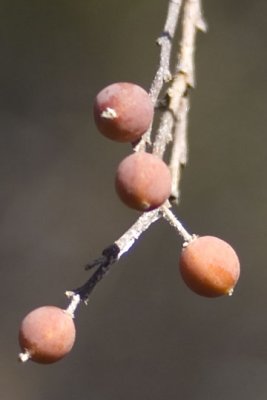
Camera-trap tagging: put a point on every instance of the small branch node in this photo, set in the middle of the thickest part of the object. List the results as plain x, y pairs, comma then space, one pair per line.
167, 77
201, 24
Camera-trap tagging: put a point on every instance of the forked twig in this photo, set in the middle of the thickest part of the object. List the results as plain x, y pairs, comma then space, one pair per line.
172, 127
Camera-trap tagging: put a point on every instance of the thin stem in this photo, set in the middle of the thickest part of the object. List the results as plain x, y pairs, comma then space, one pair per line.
192, 21
173, 221
179, 151
174, 120
163, 73
112, 254
140, 226
85, 290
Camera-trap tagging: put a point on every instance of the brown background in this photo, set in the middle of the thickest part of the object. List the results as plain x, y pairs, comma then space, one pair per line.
144, 335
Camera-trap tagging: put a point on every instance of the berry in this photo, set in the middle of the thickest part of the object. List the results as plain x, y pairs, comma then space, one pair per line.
123, 111
143, 181
46, 335
209, 266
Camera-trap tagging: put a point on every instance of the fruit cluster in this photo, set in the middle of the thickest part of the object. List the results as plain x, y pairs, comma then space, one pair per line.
123, 112
208, 265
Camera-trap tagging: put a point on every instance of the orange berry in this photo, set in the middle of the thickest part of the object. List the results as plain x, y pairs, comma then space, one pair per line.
209, 266
143, 181
123, 111
46, 335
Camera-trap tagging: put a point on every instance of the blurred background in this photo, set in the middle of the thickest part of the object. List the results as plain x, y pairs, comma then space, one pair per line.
144, 334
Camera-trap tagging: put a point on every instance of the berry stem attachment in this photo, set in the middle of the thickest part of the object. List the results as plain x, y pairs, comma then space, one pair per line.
75, 300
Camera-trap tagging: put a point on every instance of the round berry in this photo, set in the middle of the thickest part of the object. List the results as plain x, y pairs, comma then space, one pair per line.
123, 111
209, 266
46, 335
143, 181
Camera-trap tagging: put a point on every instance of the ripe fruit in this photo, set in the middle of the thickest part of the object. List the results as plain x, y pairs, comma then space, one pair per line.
209, 266
46, 335
123, 111
143, 181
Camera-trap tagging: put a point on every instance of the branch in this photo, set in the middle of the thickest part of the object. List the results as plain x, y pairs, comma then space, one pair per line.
173, 122
179, 151
112, 254
172, 127
163, 73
